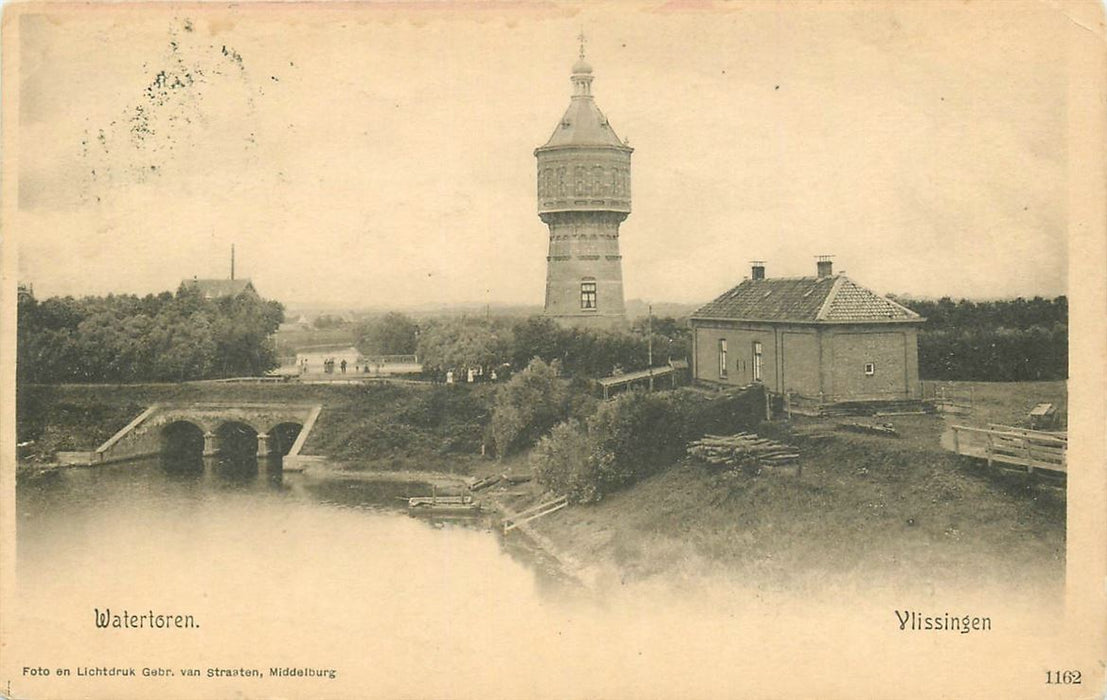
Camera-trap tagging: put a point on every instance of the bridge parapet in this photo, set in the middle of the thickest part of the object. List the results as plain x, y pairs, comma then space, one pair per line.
144, 436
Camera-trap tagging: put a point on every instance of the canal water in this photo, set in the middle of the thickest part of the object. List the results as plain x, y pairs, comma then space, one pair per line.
327, 589
275, 572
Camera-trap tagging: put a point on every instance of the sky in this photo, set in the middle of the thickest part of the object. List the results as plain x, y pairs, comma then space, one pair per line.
382, 155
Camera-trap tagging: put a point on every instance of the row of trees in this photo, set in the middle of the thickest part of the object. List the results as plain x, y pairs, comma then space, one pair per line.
162, 337
456, 343
1009, 340
946, 314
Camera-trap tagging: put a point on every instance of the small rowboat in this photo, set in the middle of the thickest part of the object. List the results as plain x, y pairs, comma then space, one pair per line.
442, 506
484, 483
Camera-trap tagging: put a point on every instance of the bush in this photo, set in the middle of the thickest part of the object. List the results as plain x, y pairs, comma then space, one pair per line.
634, 436
527, 406
564, 462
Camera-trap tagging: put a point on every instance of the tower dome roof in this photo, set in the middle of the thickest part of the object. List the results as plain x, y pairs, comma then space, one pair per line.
583, 123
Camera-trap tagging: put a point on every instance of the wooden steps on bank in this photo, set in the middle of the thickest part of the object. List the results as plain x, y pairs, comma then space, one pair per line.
741, 450
514, 520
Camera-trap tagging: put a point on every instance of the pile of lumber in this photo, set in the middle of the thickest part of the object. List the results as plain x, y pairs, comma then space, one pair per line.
742, 450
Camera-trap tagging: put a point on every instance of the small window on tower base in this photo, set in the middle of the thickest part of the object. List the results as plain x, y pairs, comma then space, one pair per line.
870, 369
588, 295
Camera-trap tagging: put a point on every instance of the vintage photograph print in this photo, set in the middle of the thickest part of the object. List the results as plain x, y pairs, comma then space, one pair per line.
553, 350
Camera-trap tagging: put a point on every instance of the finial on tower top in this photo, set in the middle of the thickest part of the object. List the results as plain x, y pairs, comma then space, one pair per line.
582, 67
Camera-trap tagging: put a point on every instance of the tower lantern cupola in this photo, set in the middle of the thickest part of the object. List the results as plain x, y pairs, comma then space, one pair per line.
582, 74
583, 197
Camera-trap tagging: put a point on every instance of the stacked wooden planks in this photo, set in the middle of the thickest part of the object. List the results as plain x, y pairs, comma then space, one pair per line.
742, 450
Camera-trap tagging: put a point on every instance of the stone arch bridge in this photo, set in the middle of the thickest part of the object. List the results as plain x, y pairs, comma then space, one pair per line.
280, 429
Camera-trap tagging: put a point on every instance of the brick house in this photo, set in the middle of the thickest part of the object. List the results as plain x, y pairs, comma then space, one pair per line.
823, 337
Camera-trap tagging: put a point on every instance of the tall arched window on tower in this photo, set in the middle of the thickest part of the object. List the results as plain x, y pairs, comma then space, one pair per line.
588, 294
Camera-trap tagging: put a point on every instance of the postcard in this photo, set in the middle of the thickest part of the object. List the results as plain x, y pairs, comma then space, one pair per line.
553, 350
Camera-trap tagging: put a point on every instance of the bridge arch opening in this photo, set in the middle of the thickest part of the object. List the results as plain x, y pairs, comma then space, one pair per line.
182, 447
238, 448
282, 437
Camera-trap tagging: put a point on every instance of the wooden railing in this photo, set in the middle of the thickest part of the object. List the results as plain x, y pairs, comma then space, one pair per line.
949, 399
512, 521
1007, 445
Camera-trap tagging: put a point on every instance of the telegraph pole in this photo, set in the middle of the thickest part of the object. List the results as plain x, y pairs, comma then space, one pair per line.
649, 341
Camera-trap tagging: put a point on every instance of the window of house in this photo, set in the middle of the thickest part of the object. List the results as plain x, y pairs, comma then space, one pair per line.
587, 295
758, 362
722, 358
870, 369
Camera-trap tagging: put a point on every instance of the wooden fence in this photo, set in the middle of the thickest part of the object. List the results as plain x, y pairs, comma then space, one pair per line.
949, 399
1008, 446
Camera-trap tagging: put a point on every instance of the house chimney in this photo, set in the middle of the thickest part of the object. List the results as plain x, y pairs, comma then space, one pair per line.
824, 265
758, 269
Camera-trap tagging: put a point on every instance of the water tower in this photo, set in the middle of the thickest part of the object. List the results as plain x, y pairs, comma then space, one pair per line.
583, 196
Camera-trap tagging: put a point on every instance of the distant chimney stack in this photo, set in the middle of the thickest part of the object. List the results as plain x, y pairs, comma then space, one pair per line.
232, 261
824, 265
758, 269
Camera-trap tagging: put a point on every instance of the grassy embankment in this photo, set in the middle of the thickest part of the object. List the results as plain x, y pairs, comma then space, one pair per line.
380, 425
866, 508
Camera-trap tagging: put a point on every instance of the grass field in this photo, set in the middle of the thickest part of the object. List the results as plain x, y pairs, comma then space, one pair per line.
901, 511
1010, 402
290, 341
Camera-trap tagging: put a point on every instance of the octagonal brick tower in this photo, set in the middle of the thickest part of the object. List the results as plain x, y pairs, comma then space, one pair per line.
583, 196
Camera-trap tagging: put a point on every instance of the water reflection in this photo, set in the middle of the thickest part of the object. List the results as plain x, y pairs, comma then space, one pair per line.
227, 493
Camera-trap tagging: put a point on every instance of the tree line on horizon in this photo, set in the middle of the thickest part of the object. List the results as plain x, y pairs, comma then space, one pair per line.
182, 336
1001, 340
162, 337
1009, 340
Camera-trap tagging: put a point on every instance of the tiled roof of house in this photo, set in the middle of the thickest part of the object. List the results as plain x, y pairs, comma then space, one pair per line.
832, 299
213, 289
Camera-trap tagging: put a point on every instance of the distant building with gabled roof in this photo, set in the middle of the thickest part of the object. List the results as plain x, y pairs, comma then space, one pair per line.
823, 337
216, 289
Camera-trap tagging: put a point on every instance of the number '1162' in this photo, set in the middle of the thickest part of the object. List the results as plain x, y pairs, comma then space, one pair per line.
1062, 677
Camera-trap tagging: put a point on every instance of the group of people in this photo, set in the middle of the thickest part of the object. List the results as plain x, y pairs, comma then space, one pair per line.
328, 366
